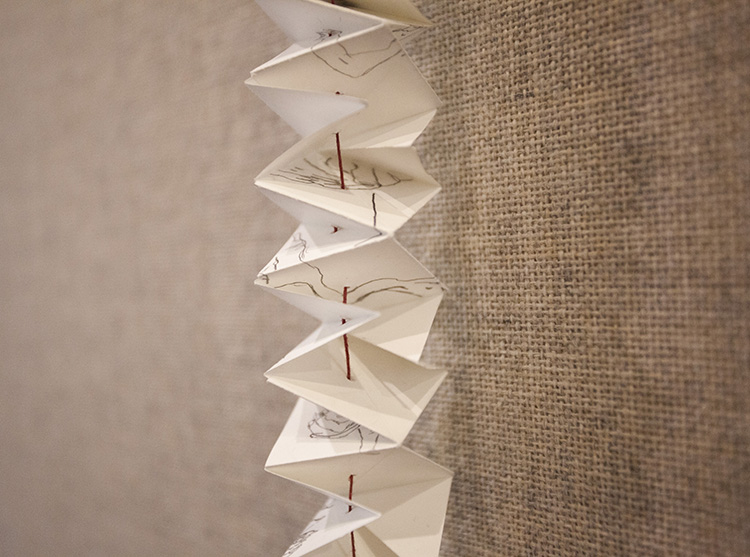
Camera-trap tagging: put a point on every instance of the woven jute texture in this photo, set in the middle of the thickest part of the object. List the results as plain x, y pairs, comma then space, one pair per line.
593, 232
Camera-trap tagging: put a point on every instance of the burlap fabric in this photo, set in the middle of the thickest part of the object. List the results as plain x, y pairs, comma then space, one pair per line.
593, 230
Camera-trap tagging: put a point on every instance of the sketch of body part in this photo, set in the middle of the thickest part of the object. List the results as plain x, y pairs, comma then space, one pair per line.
329, 425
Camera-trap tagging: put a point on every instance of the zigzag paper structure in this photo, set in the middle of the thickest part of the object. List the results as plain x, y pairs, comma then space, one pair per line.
348, 87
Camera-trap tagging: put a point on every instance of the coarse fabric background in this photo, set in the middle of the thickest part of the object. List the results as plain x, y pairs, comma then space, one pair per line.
593, 232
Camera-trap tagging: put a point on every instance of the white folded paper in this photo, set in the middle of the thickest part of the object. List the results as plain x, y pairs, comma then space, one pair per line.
348, 86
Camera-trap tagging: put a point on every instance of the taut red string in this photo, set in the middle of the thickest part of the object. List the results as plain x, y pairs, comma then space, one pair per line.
351, 534
341, 164
346, 344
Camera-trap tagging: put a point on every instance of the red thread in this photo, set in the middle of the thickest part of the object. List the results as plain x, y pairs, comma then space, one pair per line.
351, 490
346, 344
341, 164
348, 362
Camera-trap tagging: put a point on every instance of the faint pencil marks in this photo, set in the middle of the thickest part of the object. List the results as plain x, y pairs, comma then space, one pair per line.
300, 283
378, 287
358, 176
299, 542
329, 425
303, 251
356, 64
405, 31
310, 530
431, 281
300, 244
417, 287
396, 289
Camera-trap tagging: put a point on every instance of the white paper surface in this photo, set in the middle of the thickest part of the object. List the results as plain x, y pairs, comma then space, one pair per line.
332, 522
347, 85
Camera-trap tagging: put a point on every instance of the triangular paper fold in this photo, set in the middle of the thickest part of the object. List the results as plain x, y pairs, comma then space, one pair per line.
307, 111
313, 432
330, 312
412, 516
366, 544
377, 275
363, 65
386, 393
314, 21
372, 471
335, 520
385, 186
402, 329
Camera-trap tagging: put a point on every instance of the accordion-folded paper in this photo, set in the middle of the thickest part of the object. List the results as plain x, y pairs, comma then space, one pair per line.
348, 87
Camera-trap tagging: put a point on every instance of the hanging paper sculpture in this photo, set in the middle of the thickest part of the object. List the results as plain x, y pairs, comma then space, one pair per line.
347, 86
